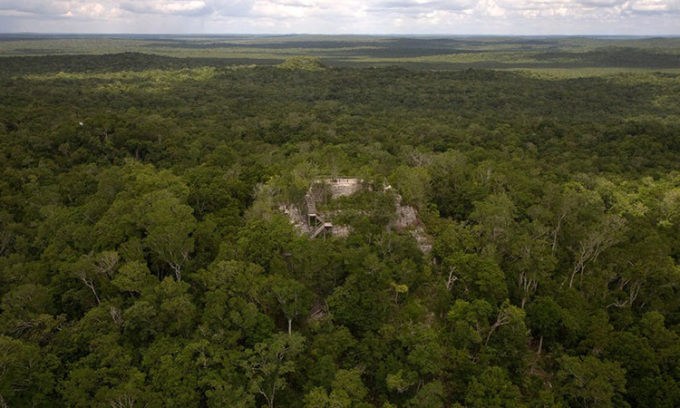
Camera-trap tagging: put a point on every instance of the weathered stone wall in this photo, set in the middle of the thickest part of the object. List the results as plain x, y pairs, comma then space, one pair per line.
343, 187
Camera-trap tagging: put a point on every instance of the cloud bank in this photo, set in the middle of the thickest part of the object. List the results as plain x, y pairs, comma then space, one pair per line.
524, 17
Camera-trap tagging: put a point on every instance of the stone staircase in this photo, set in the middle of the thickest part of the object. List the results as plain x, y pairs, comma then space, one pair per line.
316, 223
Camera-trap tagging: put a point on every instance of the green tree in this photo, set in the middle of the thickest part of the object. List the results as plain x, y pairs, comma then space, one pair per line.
26, 374
476, 277
169, 225
293, 298
588, 381
493, 389
269, 362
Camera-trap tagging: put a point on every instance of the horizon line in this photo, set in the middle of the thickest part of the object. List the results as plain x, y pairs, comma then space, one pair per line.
342, 34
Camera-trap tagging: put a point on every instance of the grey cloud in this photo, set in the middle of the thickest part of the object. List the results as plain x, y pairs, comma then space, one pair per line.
403, 4
35, 6
232, 8
430, 5
291, 3
519, 16
455, 5
174, 7
418, 8
531, 4
601, 3
652, 7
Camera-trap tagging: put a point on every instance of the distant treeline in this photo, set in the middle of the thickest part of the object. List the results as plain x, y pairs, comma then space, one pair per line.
357, 51
129, 61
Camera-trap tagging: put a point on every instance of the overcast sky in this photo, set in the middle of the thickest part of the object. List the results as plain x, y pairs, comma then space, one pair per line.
521, 17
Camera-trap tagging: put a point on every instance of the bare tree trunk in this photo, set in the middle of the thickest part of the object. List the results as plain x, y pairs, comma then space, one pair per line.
116, 316
502, 319
290, 326
452, 278
89, 283
587, 250
528, 285
557, 231
597, 242
571, 280
270, 400
124, 401
177, 268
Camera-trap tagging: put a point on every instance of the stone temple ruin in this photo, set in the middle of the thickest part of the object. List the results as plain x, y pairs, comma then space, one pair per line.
310, 221
323, 190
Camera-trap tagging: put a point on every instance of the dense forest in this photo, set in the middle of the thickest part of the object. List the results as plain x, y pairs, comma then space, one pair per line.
145, 260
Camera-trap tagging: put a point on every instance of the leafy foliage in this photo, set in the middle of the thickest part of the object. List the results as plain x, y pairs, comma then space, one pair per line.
146, 258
